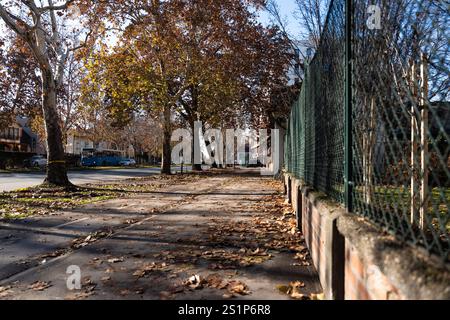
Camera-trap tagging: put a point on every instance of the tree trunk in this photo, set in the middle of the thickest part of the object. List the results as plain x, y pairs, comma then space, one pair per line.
415, 156
424, 132
56, 166
167, 150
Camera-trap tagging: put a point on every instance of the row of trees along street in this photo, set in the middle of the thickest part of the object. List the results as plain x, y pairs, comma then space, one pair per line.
102, 66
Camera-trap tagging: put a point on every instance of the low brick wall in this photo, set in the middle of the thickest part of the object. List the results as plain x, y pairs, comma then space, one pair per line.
318, 224
379, 267
366, 281
356, 261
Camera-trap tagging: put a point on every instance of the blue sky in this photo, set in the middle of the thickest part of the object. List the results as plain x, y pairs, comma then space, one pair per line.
287, 8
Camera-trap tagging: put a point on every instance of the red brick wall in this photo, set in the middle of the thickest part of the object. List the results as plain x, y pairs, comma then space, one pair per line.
314, 231
377, 272
365, 281
361, 280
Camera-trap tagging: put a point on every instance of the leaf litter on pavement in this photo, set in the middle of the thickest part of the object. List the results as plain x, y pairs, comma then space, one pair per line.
47, 200
237, 244
223, 245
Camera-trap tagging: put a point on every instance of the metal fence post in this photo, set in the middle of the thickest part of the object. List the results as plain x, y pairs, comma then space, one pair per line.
348, 139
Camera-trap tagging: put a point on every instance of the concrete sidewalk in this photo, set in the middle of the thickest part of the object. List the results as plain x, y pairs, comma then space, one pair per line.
219, 236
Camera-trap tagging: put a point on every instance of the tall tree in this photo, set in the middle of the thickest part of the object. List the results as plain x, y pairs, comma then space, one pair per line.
46, 29
190, 60
311, 15
20, 88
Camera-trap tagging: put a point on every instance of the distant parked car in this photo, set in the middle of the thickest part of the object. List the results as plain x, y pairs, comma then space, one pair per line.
89, 162
127, 163
36, 161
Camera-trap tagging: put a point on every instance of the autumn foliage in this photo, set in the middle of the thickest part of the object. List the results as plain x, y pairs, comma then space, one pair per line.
109, 63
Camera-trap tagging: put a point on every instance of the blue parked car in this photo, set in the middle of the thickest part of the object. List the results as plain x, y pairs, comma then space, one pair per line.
104, 158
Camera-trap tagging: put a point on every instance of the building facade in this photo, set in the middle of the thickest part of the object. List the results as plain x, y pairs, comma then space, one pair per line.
77, 142
18, 137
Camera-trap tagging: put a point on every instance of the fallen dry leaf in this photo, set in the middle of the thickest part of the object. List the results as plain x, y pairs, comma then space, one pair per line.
115, 260
283, 289
296, 294
39, 286
195, 282
139, 291
148, 268
125, 292
81, 295
293, 290
215, 281
5, 291
237, 287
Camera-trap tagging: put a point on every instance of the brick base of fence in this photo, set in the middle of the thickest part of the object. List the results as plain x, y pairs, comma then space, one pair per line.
357, 261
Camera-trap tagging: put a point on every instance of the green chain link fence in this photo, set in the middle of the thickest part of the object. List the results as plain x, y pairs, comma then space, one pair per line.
399, 128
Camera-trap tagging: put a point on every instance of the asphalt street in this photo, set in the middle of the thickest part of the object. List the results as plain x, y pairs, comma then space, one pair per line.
14, 181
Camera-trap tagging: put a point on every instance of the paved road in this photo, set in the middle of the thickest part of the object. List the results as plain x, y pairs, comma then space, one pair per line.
10, 182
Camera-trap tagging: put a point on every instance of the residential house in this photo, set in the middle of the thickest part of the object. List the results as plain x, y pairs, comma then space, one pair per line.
77, 142
19, 138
